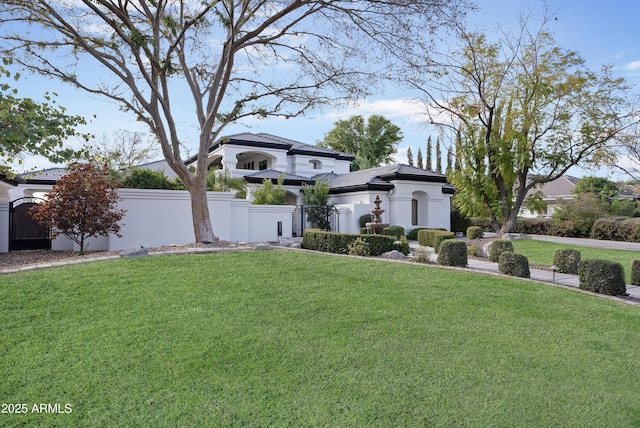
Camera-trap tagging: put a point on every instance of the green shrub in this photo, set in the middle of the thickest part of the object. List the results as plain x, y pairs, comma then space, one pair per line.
332, 242
402, 245
602, 276
413, 234
270, 194
364, 219
440, 236
396, 231
142, 178
358, 247
635, 272
498, 247
510, 263
475, 232
567, 261
484, 223
459, 222
433, 237
453, 252
608, 228
364, 231
473, 251
533, 226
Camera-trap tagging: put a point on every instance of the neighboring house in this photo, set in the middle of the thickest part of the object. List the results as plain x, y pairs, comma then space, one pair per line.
552, 192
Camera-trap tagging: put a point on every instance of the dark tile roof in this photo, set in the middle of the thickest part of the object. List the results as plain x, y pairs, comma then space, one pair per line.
269, 141
380, 178
562, 186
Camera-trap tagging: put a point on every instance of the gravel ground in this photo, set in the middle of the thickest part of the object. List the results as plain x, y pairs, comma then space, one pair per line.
19, 259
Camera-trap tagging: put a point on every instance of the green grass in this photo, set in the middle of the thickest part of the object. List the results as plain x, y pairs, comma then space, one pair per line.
541, 253
277, 338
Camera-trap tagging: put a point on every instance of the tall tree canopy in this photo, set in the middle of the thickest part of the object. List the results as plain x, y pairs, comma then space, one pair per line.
29, 127
372, 142
233, 58
525, 111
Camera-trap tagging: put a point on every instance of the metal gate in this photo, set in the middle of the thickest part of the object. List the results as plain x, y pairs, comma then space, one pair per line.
314, 217
24, 232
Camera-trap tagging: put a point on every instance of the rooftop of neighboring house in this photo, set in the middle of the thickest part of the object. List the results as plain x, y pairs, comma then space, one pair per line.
561, 187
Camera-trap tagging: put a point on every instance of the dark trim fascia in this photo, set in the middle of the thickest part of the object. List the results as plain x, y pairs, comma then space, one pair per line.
413, 177
338, 156
361, 188
286, 182
448, 190
12, 181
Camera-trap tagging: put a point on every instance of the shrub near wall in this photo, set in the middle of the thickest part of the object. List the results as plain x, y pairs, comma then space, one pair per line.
413, 234
332, 242
635, 272
602, 276
434, 237
396, 231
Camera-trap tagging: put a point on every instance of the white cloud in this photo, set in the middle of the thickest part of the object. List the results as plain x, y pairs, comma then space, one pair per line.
635, 65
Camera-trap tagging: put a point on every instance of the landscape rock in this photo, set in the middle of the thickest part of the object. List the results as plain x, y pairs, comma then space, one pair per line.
261, 246
394, 255
130, 254
290, 242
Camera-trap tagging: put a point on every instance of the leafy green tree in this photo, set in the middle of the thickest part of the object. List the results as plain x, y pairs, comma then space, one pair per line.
602, 187
420, 165
410, 156
233, 59
525, 111
144, 178
222, 181
82, 204
270, 194
28, 127
429, 164
372, 142
316, 201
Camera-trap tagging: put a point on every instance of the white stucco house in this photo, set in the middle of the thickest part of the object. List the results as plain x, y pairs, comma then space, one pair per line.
411, 197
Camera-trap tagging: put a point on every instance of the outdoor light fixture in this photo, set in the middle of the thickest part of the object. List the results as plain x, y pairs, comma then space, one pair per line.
554, 268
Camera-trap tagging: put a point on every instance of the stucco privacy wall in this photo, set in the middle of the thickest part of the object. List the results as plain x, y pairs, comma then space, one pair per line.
156, 218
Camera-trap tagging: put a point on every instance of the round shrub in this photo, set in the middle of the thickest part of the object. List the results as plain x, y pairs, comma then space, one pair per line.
475, 232
364, 219
602, 276
452, 252
567, 261
498, 247
514, 264
422, 255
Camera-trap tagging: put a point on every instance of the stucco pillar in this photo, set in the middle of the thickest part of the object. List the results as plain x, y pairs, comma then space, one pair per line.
4, 227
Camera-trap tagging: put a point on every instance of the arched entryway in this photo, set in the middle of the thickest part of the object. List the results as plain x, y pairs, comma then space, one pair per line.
419, 209
24, 232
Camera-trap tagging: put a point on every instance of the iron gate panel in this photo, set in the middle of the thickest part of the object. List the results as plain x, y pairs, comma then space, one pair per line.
314, 217
24, 232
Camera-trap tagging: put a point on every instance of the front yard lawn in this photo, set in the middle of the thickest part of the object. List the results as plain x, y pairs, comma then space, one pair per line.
280, 338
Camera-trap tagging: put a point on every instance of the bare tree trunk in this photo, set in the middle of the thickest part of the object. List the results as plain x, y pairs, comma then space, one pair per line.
202, 227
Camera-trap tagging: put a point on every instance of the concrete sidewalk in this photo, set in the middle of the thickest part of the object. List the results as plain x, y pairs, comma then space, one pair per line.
536, 274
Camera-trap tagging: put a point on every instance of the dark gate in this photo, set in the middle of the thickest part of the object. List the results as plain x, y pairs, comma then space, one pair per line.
24, 232
314, 217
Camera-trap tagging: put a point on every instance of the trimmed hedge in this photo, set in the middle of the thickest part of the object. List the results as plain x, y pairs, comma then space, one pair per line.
396, 231
617, 229
602, 276
567, 261
514, 264
475, 232
533, 226
498, 247
434, 237
413, 233
635, 272
332, 242
453, 252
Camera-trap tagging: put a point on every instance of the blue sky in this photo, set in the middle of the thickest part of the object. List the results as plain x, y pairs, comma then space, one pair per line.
601, 32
